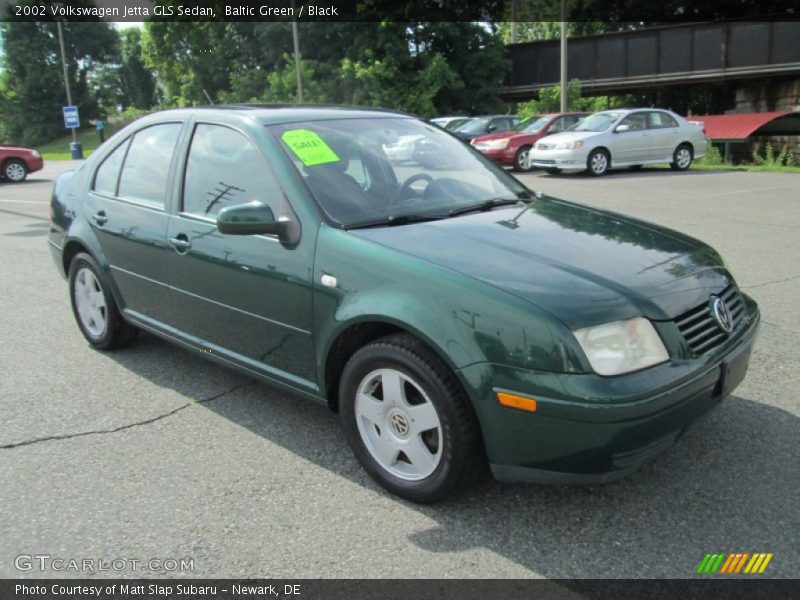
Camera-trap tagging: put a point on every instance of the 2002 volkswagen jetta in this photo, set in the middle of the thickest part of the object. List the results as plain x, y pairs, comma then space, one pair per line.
447, 312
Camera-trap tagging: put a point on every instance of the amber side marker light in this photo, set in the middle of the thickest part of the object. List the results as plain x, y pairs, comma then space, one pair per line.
520, 402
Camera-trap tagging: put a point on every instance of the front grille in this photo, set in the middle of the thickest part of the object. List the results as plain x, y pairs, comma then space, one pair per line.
699, 327
540, 161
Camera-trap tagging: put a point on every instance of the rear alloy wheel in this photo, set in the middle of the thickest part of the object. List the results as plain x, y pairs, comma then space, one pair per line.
598, 162
682, 158
407, 419
15, 170
521, 159
94, 308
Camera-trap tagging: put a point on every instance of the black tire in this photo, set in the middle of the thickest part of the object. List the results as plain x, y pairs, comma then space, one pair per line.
461, 456
594, 163
682, 158
15, 170
117, 333
553, 170
521, 160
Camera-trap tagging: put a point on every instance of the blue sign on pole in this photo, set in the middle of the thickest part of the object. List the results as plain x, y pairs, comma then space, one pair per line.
71, 119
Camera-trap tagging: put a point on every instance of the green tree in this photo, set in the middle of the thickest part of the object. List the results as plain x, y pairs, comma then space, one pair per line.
32, 91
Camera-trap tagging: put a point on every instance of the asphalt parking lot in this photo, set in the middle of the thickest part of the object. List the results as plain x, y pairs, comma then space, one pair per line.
152, 452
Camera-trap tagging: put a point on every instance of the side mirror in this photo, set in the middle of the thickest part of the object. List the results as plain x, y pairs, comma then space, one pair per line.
622, 128
248, 219
491, 128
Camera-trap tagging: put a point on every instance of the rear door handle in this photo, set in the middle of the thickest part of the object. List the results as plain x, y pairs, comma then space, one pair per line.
100, 217
181, 243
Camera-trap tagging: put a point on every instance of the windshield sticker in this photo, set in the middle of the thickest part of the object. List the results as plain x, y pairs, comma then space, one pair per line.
309, 147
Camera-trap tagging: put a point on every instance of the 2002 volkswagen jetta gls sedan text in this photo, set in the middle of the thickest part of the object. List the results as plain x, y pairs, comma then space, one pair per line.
452, 317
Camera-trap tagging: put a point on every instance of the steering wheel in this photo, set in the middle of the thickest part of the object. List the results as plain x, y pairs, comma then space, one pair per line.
407, 185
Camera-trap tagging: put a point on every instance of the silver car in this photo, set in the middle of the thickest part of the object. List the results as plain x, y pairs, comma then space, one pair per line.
621, 138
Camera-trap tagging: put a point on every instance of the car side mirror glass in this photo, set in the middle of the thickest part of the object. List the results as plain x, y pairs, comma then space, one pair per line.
622, 128
252, 218
491, 128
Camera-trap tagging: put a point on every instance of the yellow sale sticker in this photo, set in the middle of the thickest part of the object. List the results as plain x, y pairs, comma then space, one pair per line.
309, 147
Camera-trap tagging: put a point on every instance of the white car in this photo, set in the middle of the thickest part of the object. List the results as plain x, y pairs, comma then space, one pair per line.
403, 149
621, 138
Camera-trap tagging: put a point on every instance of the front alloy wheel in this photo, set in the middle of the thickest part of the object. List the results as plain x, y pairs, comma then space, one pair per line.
598, 162
398, 424
407, 419
521, 159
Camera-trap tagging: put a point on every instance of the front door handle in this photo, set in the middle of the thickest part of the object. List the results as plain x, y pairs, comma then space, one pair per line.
181, 243
100, 217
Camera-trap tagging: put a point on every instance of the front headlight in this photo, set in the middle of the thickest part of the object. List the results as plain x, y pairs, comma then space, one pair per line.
570, 145
498, 144
622, 346
36, 154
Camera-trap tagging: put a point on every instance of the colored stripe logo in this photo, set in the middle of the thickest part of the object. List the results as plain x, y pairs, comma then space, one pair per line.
734, 563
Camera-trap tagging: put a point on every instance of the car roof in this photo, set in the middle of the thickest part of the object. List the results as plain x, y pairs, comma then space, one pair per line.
276, 114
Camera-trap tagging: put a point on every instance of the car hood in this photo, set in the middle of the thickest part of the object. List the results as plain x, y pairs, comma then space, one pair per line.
568, 136
583, 265
15, 148
513, 135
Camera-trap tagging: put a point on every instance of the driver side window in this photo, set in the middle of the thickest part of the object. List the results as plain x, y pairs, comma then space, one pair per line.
224, 168
636, 122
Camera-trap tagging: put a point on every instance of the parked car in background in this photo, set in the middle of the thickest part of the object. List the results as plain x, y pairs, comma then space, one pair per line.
622, 138
16, 162
510, 149
479, 126
450, 123
451, 317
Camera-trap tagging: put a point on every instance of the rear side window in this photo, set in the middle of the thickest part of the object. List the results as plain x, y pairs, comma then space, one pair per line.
144, 175
659, 120
224, 168
105, 180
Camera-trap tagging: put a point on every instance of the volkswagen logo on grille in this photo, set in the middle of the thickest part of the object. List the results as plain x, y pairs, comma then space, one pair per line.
722, 314
400, 424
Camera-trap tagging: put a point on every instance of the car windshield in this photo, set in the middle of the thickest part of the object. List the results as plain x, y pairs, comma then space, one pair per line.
534, 126
474, 125
597, 122
395, 168
455, 124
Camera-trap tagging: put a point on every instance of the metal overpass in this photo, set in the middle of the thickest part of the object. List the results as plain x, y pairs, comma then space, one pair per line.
678, 55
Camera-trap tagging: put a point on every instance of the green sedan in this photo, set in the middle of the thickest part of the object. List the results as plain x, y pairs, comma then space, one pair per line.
455, 319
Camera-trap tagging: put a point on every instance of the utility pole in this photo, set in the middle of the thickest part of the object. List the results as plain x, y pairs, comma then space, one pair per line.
564, 106
513, 21
66, 75
297, 74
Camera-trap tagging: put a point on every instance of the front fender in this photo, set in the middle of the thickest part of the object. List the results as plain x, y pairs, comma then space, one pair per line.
464, 320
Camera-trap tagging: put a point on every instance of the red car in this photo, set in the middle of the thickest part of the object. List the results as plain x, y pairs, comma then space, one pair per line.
16, 162
510, 148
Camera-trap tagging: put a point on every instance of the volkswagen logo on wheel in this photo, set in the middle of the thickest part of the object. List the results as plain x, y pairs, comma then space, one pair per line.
400, 424
722, 314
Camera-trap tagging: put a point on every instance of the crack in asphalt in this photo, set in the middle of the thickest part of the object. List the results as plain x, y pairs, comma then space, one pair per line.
766, 283
67, 436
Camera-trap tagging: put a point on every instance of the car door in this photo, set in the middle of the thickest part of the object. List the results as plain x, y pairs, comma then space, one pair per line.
632, 145
246, 297
126, 208
664, 135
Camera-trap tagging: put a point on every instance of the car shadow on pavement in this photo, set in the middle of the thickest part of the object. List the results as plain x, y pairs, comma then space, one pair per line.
728, 485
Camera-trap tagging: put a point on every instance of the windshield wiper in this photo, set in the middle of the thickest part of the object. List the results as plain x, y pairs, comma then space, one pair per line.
392, 220
487, 205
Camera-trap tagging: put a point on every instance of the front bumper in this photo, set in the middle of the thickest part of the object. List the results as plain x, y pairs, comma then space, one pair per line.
592, 429
502, 156
566, 160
